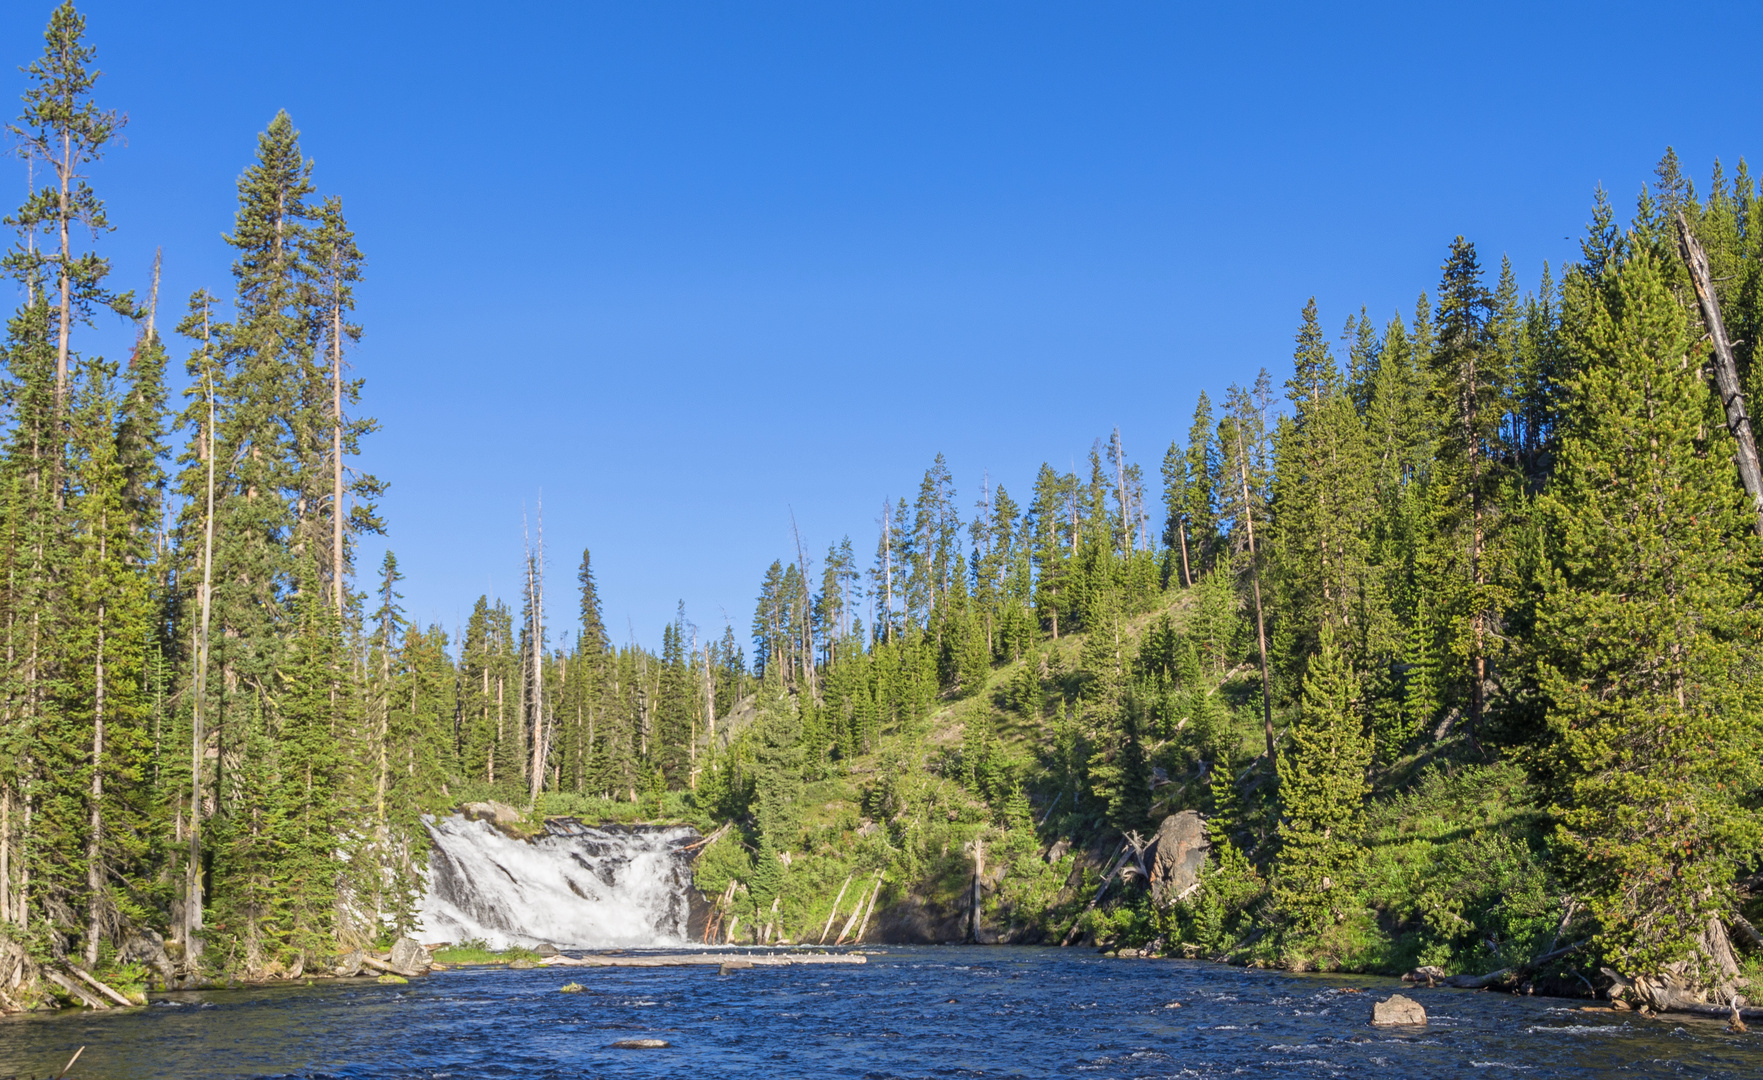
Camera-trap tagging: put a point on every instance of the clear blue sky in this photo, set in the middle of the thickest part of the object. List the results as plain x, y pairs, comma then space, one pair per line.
681, 268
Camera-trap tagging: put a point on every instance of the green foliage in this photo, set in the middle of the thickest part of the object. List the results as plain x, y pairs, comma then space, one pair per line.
1497, 574
1647, 633
1322, 788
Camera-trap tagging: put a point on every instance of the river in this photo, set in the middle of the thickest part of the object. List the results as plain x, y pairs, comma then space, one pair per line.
912, 1012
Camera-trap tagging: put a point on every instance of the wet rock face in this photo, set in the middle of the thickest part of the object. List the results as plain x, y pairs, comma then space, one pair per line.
1396, 1011
1181, 848
408, 957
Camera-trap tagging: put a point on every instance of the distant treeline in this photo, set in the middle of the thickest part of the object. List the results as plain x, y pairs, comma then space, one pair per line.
1509, 523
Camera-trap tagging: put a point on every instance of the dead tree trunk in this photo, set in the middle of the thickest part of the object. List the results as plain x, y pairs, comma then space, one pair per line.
199, 737
1255, 581
1726, 372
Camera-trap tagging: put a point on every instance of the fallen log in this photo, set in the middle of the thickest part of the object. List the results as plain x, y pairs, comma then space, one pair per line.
101, 988
75, 990
1118, 861
707, 840
705, 960
834, 913
385, 968
870, 910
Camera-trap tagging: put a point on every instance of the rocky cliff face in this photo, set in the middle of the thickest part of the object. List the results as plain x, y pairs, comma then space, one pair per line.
1180, 852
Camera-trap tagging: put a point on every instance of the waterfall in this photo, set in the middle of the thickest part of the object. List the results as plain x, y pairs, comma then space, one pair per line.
576, 886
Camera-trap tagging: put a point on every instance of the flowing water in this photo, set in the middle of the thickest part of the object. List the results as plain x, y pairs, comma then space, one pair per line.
577, 886
974, 1011
971, 1011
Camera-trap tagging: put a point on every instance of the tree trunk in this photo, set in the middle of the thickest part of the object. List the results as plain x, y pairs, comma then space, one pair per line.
1726, 373
198, 737
1255, 581
837, 900
95, 841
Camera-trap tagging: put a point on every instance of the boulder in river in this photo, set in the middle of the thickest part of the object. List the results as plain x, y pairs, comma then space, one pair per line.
1181, 848
409, 958
349, 965
1397, 1011
548, 949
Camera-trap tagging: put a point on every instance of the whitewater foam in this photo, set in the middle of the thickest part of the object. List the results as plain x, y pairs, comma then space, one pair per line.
576, 886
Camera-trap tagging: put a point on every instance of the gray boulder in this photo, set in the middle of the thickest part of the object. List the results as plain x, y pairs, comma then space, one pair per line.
496, 813
409, 958
1181, 847
349, 965
1397, 1011
148, 947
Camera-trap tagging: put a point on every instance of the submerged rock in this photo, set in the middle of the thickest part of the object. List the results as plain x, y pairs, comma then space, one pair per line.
1397, 1010
392, 980
641, 1044
570, 988
1181, 851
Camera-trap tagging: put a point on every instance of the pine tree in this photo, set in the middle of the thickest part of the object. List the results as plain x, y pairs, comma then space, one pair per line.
1647, 623
1469, 384
1322, 788
1323, 502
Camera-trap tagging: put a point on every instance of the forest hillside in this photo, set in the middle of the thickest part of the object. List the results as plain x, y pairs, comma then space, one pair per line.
1449, 637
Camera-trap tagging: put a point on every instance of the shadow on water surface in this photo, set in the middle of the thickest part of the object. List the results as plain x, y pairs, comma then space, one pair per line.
913, 1012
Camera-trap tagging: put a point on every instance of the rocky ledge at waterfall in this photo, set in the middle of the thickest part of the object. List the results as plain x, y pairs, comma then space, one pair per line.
570, 884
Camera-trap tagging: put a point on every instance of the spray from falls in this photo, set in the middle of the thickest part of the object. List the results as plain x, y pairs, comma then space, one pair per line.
575, 886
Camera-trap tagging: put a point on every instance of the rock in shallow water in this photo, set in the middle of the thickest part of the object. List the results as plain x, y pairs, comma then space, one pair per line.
409, 958
641, 1044
1397, 1011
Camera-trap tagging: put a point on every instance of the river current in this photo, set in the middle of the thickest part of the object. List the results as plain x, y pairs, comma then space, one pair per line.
911, 1012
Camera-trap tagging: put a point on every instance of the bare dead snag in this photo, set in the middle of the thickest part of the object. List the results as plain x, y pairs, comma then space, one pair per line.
1726, 372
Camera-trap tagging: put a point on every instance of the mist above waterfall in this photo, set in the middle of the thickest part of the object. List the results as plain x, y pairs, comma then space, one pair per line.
575, 886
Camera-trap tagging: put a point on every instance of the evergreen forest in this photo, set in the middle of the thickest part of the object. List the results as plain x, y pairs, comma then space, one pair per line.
1451, 636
